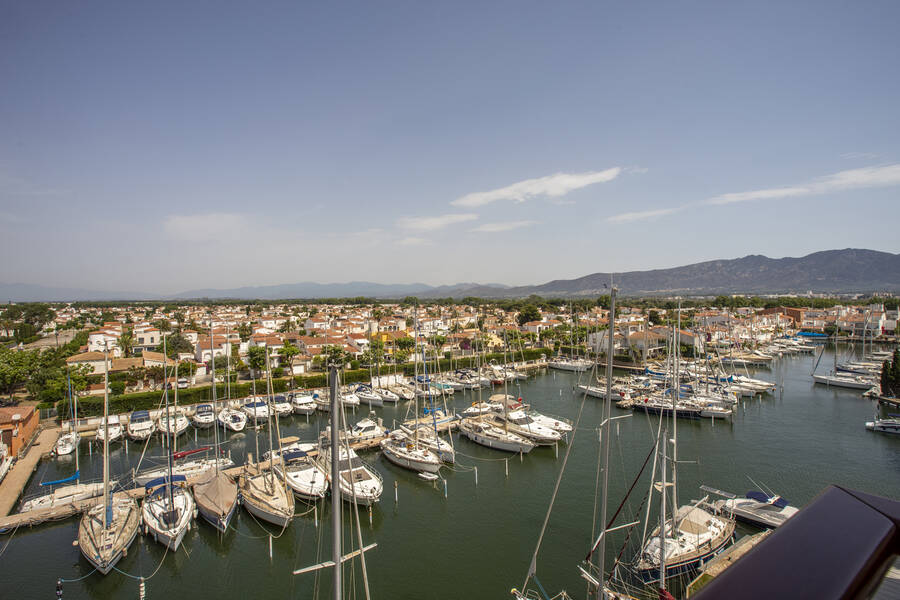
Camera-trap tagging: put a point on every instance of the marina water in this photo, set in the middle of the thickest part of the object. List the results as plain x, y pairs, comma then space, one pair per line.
477, 541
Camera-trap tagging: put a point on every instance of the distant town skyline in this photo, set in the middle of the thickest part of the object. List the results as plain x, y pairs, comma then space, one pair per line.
170, 147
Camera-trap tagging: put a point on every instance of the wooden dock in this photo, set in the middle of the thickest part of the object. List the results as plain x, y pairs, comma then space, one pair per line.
17, 478
31, 518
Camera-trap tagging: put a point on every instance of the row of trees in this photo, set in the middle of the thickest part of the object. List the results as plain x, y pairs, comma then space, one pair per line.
890, 376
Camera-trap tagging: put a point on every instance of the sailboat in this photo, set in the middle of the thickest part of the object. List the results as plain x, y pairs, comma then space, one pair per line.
599, 585
480, 430
67, 442
217, 494
403, 448
106, 530
693, 535
168, 506
65, 494
230, 418
172, 421
263, 495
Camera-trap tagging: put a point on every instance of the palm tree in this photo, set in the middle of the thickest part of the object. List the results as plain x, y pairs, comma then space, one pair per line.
125, 341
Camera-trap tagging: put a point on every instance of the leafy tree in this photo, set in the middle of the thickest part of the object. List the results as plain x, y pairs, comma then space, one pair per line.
287, 353
529, 313
116, 388
177, 343
245, 331
256, 358
404, 343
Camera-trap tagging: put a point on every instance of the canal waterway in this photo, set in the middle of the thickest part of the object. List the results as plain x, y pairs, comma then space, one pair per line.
468, 540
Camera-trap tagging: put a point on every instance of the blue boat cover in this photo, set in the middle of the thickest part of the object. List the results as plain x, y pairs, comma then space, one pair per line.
294, 454
162, 481
67, 479
140, 414
765, 498
812, 334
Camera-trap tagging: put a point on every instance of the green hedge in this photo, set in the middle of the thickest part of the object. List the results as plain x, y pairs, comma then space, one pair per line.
93, 406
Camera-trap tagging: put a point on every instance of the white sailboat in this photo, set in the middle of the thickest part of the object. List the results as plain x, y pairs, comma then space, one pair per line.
693, 535
229, 418
67, 442
599, 584
168, 506
106, 530
65, 494
263, 495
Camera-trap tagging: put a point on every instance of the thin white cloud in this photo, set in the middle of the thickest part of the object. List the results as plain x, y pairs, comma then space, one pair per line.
206, 227
856, 155
434, 223
551, 186
412, 241
642, 215
767, 194
851, 179
504, 226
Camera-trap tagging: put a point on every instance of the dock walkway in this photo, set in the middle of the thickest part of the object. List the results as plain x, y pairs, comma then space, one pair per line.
17, 478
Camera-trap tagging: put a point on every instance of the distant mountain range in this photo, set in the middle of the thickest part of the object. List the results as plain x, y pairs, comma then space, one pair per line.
830, 271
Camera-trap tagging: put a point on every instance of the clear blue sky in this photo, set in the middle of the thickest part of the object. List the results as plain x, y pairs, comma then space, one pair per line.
166, 146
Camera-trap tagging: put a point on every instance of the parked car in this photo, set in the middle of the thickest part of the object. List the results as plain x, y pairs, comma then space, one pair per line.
182, 383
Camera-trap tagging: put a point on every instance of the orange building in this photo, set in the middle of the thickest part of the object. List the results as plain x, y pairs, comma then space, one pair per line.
17, 425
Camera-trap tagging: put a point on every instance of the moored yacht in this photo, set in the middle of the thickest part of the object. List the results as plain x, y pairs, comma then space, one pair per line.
140, 425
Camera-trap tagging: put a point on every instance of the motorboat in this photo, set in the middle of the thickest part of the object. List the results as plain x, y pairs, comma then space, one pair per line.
303, 404
140, 425
301, 472
758, 508
256, 410
282, 405
518, 422
115, 429
232, 419
357, 480
203, 417
172, 422
891, 425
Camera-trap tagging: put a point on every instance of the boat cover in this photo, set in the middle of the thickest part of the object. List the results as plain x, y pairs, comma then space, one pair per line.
766, 499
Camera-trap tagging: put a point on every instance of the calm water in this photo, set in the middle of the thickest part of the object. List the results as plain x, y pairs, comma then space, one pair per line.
477, 542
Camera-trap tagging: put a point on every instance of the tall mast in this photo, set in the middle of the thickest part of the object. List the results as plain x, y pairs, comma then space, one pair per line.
416, 370
74, 399
212, 359
175, 425
107, 505
270, 408
662, 514
169, 427
335, 485
608, 414
675, 409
